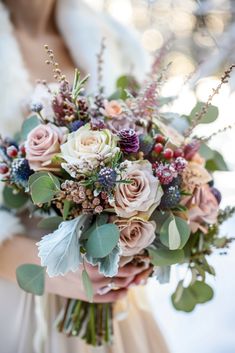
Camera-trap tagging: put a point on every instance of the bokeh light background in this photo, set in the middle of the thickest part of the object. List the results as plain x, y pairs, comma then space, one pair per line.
202, 45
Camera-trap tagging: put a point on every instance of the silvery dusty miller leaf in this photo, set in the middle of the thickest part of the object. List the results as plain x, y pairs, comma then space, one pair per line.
60, 251
108, 265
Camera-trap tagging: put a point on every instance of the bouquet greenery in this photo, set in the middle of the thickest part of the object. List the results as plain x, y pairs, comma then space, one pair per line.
115, 183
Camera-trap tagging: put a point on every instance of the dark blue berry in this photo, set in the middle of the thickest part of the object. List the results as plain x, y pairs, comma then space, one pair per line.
170, 198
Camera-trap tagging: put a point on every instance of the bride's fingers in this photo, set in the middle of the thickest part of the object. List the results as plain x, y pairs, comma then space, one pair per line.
110, 283
142, 277
131, 270
110, 297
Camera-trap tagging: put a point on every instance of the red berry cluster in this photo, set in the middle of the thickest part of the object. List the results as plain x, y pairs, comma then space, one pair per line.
11, 152
166, 152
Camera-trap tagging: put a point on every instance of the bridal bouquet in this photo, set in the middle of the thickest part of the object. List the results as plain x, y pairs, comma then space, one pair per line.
115, 183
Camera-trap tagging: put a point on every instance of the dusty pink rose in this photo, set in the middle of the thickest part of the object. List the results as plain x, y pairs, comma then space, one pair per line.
42, 144
135, 235
141, 195
203, 208
112, 108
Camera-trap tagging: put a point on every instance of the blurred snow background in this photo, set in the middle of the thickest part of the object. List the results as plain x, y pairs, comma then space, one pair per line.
204, 34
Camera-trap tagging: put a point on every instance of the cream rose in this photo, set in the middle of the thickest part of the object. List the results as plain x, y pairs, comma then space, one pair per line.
112, 108
86, 148
42, 144
135, 235
142, 195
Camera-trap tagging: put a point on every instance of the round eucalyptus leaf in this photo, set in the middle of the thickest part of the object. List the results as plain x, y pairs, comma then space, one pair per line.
43, 189
29, 125
174, 233
165, 257
102, 240
13, 199
31, 278
186, 302
202, 291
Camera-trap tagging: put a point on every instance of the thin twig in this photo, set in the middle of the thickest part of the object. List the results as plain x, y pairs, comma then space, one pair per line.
199, 115
100, 62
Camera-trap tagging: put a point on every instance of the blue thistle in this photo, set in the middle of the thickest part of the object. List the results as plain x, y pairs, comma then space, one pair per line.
75, 125
36, 107
20, 172
107, 177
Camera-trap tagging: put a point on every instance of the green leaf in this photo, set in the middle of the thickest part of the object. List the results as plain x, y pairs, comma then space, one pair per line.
217, 163
214, 160
210, 116
201, 291
102, 240
31, 278
87, 284
66, 209
206, 152
44, 188
186, 302
50, 223
197, 293
29, 125
159, 217
165, 257
13, 198
174, 233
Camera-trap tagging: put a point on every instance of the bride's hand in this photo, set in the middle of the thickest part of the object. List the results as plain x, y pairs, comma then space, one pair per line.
71, 286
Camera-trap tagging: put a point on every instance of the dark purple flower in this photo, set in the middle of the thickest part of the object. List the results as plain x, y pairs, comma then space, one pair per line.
217, 194
129, 141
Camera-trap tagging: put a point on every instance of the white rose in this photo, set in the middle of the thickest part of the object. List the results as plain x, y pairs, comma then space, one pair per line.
86, 148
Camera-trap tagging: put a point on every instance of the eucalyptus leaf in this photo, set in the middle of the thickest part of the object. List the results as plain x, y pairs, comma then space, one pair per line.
164, 257
13, 198
210, 116
50, 223
60, 250
206, 152
31, 278
217, 163
186, 302
87, 284
102, 240
174, 233
29, 125
44, 188
202, 291
197, 293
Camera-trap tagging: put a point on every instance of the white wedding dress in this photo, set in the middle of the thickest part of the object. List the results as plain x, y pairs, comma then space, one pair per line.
27, 322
